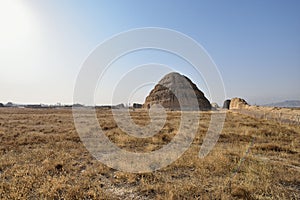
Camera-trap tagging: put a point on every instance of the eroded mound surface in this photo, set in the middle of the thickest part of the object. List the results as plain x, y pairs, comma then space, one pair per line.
177, 92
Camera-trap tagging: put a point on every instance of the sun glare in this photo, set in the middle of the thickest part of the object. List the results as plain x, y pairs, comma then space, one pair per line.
15, 23
18, 40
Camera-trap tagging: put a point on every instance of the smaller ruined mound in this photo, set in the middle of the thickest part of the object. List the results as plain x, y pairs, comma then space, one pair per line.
226, 104
238, 103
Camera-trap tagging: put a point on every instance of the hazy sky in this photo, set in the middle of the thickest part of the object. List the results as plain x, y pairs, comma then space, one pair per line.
43, 43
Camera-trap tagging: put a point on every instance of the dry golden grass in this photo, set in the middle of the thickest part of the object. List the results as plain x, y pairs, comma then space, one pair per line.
42, 157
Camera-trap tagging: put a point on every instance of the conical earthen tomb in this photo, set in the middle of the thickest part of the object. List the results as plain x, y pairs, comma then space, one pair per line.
177, 92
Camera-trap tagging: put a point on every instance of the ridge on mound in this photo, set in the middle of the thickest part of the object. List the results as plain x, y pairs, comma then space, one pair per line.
174, 88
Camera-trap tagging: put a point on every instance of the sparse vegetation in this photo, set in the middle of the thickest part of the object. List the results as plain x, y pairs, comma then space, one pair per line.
42, 157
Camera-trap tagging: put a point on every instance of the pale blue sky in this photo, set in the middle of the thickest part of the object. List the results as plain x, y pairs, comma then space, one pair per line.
255, 44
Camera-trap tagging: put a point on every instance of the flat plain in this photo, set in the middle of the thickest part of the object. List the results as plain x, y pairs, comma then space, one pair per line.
42, 157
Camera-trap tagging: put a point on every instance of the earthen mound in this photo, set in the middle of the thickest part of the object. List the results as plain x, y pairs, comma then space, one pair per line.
177, 92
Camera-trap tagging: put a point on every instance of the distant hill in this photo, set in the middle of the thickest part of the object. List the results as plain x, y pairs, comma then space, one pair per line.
285, 104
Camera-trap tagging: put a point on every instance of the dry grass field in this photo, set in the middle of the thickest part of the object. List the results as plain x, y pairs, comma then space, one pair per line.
42, 157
